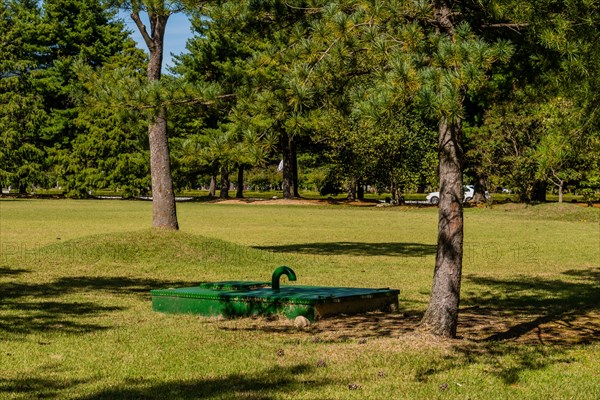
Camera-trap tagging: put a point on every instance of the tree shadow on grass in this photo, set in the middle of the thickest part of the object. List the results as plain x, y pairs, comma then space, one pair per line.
38, 388
536, 310
509, 326
527, 323
269, 384
12, 271
117, 285
342, 328
265, 385
27, 307
65, 317
505, 361
356, 249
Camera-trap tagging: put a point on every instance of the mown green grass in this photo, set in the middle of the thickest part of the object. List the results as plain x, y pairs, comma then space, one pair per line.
75, 317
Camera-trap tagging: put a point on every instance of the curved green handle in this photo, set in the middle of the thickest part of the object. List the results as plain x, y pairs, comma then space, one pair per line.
283, 270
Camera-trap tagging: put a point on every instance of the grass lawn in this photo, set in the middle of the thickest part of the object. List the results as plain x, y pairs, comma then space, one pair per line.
76, 319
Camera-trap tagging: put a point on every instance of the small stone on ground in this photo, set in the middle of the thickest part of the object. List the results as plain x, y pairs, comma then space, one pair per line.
301, 322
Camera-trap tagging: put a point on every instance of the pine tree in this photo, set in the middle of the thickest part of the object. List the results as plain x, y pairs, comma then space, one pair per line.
22, 115
111, 150
555, 61
89, 146
420, 56
164, 213
362, 59
239, 46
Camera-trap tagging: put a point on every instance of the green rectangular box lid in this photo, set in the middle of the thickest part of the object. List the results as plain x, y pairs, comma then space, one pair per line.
233, 285
296, 294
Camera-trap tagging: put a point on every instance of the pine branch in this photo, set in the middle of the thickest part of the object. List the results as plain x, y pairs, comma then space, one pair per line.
320, 59
512, 26
199, 101
135, 15
370, 23
311, 10
506, 25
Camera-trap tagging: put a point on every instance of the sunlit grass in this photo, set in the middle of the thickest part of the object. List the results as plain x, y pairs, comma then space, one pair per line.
75, 318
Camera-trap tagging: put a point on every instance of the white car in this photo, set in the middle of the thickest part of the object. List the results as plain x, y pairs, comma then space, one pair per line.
434, 197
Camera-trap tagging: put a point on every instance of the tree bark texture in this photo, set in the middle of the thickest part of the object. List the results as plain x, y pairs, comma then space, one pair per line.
560, 192
539, 191
360, 192
212, 189
443, 16
351, 190
479, 195
224, 194
164, 214
441, 317
239, 194
290, 168
294, 155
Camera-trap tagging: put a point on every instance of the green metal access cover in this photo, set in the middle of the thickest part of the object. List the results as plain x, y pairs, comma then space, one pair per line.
233, 285
242, 298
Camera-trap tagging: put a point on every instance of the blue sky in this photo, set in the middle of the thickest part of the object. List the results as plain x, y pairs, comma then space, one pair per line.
178, 31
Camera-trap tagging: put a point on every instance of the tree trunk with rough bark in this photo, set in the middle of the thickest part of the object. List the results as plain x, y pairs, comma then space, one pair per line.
224, 193
539, 191
290, 169
294, 155
351, 190
164, 213
441, 317
479, 195
560, 191
239, 194
360, 192
212, 189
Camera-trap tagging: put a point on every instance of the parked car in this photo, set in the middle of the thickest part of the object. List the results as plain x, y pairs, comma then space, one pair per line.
434, 197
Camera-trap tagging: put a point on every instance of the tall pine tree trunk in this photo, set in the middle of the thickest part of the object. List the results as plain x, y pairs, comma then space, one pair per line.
164, 214
212, 189
360, 192
351, 189
294, 155
539, 191
224, 194
290, 169
479, 195
441, 316
240, 183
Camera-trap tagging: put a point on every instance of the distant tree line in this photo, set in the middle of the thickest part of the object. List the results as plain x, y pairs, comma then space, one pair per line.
317, 84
